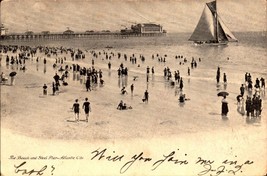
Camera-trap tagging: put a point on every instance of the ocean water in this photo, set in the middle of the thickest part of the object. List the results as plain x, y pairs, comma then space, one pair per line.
43, 125
163, 115
250, 51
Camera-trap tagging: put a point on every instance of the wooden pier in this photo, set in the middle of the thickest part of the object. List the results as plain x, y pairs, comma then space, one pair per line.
92, 35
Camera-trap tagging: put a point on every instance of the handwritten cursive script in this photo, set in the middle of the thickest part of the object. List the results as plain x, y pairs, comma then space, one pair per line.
207, 166
227, 166
134, 158
23, 171
169, 158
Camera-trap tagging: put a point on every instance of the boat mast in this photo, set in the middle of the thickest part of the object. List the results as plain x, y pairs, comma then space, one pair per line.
216, 18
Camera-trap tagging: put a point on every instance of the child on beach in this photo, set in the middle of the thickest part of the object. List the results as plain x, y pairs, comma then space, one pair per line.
145, 99
3, 78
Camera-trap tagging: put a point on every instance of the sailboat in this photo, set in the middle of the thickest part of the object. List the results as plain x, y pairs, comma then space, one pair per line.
211, 29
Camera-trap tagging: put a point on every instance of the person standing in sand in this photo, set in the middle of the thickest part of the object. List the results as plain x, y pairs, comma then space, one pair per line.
188, 71
132, 88
262, 83
88, 84
53, 88
224, 106
242, 90
56, 78
76, 108
45, 89
87, 108
218, 75
109, 65
224, 78
181, 84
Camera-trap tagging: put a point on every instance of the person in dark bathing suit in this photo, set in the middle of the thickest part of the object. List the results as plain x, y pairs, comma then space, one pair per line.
218, 75
76, 108
87, 108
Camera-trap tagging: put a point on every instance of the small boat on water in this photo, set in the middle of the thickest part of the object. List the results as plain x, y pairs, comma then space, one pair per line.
210, 29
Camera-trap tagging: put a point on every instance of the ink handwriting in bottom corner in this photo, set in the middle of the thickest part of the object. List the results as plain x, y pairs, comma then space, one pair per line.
23, 170
208, 167
227, 167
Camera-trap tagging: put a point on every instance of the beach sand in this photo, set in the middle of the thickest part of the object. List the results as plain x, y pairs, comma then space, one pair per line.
33, 123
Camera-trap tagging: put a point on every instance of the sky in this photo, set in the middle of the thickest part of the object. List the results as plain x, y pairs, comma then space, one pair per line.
81, 15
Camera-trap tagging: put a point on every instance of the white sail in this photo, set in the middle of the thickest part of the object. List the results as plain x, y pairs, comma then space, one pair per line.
230, 36
220, 34
205, 28
210, 27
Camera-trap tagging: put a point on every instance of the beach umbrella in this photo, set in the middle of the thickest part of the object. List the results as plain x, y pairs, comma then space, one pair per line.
223, 93
12, 74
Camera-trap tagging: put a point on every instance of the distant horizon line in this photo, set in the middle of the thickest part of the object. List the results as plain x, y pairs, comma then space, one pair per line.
106, 31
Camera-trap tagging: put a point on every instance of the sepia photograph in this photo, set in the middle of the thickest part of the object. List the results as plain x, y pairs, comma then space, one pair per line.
133, 87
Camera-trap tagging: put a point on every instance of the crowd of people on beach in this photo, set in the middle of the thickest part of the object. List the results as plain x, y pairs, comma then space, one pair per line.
89, 77
253, 101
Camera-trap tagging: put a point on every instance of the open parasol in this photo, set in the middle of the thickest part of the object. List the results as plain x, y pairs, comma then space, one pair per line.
12, 74
223, 93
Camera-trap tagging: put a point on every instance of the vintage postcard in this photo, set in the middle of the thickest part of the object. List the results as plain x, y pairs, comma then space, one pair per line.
133, 87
